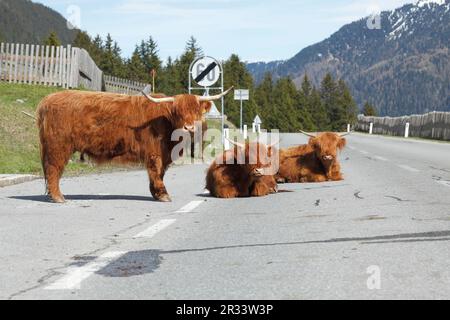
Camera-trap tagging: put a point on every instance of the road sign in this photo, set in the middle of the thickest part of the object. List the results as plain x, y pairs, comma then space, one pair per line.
257, 120
241, 94
206, 71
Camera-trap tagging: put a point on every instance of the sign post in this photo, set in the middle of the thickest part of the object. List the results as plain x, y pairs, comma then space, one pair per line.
241, 95
206, 72
257, 124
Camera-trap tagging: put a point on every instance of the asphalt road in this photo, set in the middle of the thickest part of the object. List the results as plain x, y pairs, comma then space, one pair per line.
382, 233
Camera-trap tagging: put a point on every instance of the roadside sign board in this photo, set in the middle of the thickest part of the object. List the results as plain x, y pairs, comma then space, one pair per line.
206, 71
241, 95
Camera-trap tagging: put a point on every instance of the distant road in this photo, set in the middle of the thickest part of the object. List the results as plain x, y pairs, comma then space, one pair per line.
386, 226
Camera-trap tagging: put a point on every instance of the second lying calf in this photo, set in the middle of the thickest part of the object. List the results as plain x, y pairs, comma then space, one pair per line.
314, 162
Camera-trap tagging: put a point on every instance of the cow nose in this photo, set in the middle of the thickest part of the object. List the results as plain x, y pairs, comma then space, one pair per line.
189, 128
258, 172
328, 158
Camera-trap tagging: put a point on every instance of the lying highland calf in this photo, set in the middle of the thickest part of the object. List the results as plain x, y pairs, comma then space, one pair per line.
314, 162
228, 178
107, 127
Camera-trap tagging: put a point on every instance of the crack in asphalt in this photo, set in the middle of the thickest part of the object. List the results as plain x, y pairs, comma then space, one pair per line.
358, 195
399, 199
440, 169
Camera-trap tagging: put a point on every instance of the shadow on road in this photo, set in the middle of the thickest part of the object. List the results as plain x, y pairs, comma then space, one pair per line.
44, 198
397, 238
133, 264
137, 263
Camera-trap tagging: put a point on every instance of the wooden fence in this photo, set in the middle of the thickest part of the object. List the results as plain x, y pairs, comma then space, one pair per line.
35, 64
433, 125
67, 67
123, 86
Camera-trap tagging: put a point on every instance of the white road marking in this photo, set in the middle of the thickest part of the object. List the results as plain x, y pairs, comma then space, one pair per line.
408, 168
381, 158
190, 207
75, 275
151, 231
364, 152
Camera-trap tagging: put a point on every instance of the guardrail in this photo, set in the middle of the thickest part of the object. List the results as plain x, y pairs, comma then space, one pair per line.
433, 125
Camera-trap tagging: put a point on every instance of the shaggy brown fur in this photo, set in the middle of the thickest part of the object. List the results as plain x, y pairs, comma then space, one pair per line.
241, 180
314, 162
109, 127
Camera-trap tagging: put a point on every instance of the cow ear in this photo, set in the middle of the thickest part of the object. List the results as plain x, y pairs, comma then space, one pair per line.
313, 142
342, 143
206, 106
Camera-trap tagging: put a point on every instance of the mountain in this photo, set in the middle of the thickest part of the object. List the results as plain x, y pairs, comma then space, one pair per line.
22, 21
403, 67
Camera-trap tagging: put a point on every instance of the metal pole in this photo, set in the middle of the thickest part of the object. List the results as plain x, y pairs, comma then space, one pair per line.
241, 116
223, 106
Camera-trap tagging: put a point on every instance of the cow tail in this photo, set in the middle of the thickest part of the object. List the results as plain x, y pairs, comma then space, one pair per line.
42, 127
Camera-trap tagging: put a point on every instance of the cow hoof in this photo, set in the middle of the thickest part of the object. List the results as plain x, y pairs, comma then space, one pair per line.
165, 198
57, 199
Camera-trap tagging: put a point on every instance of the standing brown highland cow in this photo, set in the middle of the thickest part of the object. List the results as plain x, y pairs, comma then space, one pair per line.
106, 127
316, 161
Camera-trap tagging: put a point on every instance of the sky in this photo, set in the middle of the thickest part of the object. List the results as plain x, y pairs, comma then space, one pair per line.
256, 30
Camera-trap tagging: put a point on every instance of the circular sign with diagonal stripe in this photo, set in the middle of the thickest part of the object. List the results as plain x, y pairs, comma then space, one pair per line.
206, 71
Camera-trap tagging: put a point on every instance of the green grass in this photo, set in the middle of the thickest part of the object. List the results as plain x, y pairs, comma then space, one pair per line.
19, 140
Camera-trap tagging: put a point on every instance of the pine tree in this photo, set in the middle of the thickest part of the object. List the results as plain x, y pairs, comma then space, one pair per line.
306, 87
347, 106
171, 82
237, 75
82, 40
111, 61
306, 111
369, 110
192, 51
148, 52
329, 95
319, 112
52, 40
192, 47
284, 112
264, 100
135, 69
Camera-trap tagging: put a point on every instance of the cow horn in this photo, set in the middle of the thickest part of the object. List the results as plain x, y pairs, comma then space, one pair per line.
274, 144
158, 100
308, 134
213, 98
237, 144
